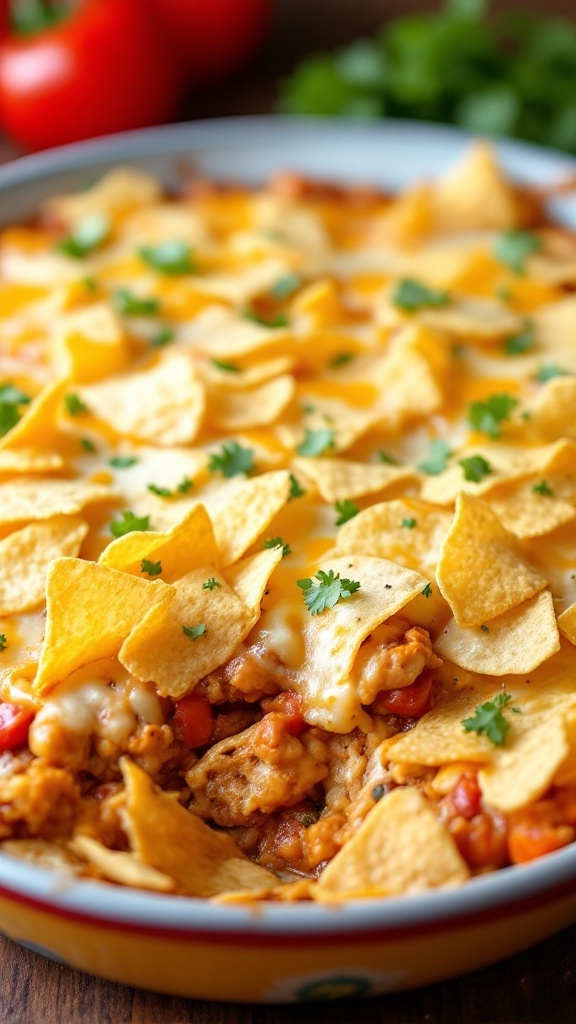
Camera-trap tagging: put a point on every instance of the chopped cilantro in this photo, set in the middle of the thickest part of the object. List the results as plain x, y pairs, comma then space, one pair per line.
543, 489
88, 445
316, 442
122, 461
342, 359
383, 456
185, 485
548, 371
3, 642
411, 295
409, 523
160, 492
172, 257
11, 399
74, 405
86, 236
128, 523
152, 568
438, 455
90, 283
226, 367
345, 510
277, 542
475, 468
211, 584
525, 341
427, 592
278, 320
164, 336
503, 292
296, 491
285, 286
327, 591
231, 460
193, 632
487, 416
513, 248
132, 305
489, 720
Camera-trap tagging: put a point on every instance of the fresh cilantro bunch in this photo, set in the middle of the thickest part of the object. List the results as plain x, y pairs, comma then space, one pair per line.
510, 74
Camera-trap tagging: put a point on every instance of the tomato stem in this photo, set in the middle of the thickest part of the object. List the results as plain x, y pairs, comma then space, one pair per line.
29, 17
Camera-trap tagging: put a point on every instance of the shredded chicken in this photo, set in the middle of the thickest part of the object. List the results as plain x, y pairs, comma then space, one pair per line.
393, 657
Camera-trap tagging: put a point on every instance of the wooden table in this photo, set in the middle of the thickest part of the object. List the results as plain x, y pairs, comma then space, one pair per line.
536, 987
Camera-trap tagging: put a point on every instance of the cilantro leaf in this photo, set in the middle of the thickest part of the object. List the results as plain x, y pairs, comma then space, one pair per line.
487, 416
385, 457
285, 286
160, 492
231, 460
411, 295
185, 485
475, 468
152, 568
193, 632
133, 305
171, 258
74, 405
345, 510
88, 445
88, 234
11, 399
164, 336
278, 320
427, 592
3, 642
296, 491
342, 359
513, 247
548, 371
409, 523
489, 721
525, 341
128, 523
316, 442
122, 461
226, 367
543, 489
438, 455
327, 591
277, 542
211, 584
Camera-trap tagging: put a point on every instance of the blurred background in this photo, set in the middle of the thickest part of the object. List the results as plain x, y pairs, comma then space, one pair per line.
71, 69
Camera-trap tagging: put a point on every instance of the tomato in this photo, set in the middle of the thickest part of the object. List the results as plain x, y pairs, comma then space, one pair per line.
214, 37
289, 706
14, 724
101, 69
409, 701
193, 720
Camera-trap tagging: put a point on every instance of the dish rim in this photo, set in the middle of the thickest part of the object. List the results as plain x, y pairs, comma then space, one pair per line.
493, 895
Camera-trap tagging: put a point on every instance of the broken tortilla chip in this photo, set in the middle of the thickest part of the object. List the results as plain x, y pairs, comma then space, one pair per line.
22, 499
120, 866
188, 544
241, 511
26, 555
406, 531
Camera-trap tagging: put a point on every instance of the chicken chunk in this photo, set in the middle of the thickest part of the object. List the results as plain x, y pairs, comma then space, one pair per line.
393, 657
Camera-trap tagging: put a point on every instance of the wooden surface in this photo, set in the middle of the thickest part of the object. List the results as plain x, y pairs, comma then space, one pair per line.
536, 987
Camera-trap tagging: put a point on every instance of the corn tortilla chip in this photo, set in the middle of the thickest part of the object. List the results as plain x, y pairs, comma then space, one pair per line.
257, 407
401, 847
119, 866
89, 343
90, 610
475, 195
189, 543
25, 556
338, 479
242, 510
29, 460
37, 427
406, 531
22, 500
481, 571
170, 839
117, 192
249, 578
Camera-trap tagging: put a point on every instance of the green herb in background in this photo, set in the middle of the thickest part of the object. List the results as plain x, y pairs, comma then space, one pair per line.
511, 73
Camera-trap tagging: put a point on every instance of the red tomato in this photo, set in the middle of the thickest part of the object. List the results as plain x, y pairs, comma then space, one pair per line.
289, 706
14, 724
102, 69
215, 37
193, 720
410, 701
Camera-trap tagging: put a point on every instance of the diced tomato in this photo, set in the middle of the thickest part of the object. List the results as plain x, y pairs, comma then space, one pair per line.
537, 831
193, 720
409, 702
287, 704
14, 724
466, 797
482, 841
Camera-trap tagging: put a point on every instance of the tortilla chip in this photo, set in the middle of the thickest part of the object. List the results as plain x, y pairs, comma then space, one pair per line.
247, 376
159, 649
118, 191
332, 639
89, 343
90, 610
554, 326
552, 411
37, 427
29, 500
26, 555
507, 464
249, 578
170, 839
188, 544
338, 479
258, 407
566, 774
385, 530
43, 854
220, 333
412, 375
401, 847
483, 320
481, 571
29, 460
240, 288
163, 405
243, 509
118, 866
346, 423
526, 513
567, 623
475, 195
515, 642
